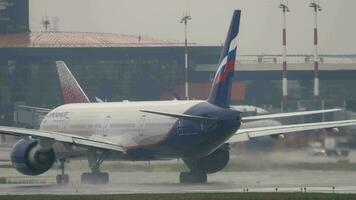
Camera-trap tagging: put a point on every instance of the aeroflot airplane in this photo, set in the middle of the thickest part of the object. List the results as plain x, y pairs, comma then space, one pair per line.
199, 132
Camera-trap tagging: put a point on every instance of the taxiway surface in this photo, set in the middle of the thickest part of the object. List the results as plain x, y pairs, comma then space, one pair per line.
134, 178
167, 182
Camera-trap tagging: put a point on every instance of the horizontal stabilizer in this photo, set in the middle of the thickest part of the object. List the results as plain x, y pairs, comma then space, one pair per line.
249, 133
184, 116
291, 114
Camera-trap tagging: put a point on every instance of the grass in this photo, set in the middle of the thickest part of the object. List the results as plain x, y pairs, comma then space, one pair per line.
195, 196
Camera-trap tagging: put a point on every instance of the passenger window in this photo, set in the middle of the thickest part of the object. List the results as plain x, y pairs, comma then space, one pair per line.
180, 127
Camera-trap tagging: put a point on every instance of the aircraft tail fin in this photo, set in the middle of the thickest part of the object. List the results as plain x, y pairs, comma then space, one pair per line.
72, 92
220, 93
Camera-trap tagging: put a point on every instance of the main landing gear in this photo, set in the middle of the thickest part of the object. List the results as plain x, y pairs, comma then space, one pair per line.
62, 179
193, 177
200, 167
95, 159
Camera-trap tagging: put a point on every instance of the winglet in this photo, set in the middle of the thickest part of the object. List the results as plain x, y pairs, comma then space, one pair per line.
72, 92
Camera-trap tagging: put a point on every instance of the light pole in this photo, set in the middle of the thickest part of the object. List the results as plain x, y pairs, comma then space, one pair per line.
185, 20
285, 9
46, 23
316, 7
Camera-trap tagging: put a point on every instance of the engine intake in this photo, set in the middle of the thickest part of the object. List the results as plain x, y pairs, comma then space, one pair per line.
212, 163
30, 159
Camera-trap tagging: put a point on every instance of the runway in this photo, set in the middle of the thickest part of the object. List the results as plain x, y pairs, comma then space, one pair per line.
255, 172
167, 182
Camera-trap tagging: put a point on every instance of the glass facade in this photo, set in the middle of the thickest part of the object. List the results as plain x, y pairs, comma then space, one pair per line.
263, 88
14, 16
28, 75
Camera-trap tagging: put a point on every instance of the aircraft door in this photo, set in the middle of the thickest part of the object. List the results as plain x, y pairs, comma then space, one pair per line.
142, 125
180, 127
106, 125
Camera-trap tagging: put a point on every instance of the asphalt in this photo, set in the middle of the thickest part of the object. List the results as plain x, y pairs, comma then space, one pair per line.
167, 182
134, 178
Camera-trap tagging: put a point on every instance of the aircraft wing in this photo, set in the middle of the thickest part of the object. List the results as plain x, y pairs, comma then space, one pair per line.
291, 114
100, 143
249, 133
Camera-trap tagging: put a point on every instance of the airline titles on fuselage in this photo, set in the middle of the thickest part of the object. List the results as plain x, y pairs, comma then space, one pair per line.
57, 115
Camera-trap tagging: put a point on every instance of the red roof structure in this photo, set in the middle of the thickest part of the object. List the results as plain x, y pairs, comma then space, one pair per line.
79, 40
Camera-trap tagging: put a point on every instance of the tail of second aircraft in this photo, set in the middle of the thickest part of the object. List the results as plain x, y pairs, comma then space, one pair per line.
72, 92
220, 93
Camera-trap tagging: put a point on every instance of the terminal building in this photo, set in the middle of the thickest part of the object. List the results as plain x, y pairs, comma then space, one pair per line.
14, 16
261, 76
110, 66
117, 67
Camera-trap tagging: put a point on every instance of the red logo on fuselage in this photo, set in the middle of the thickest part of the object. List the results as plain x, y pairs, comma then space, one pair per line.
230, 66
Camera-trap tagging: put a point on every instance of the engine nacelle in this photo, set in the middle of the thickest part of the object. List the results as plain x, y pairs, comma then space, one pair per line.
28, 157
212, 163
277, 136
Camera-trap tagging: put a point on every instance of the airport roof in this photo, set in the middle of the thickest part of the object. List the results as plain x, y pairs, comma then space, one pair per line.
79, 40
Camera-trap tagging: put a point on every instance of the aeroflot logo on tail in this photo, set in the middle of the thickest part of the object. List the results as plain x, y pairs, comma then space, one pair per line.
227, 65
58, 115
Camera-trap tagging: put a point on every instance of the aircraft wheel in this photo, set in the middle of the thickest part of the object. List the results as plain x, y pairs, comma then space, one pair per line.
99, 178
193, 177
62, 179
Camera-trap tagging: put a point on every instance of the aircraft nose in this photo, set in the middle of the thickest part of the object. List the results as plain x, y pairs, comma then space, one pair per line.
238, 121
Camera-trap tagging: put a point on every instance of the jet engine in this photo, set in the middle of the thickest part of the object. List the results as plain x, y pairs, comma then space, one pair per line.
277, 136
212, 163
29, 158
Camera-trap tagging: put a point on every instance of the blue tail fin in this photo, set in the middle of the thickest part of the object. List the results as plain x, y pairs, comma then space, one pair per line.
220, 93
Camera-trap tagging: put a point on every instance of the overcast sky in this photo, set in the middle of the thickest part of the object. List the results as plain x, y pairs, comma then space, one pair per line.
260, 26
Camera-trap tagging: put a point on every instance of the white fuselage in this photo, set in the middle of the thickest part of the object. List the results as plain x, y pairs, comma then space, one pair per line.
122, 123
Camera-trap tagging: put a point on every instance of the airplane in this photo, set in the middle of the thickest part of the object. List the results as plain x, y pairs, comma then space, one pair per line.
198, 132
